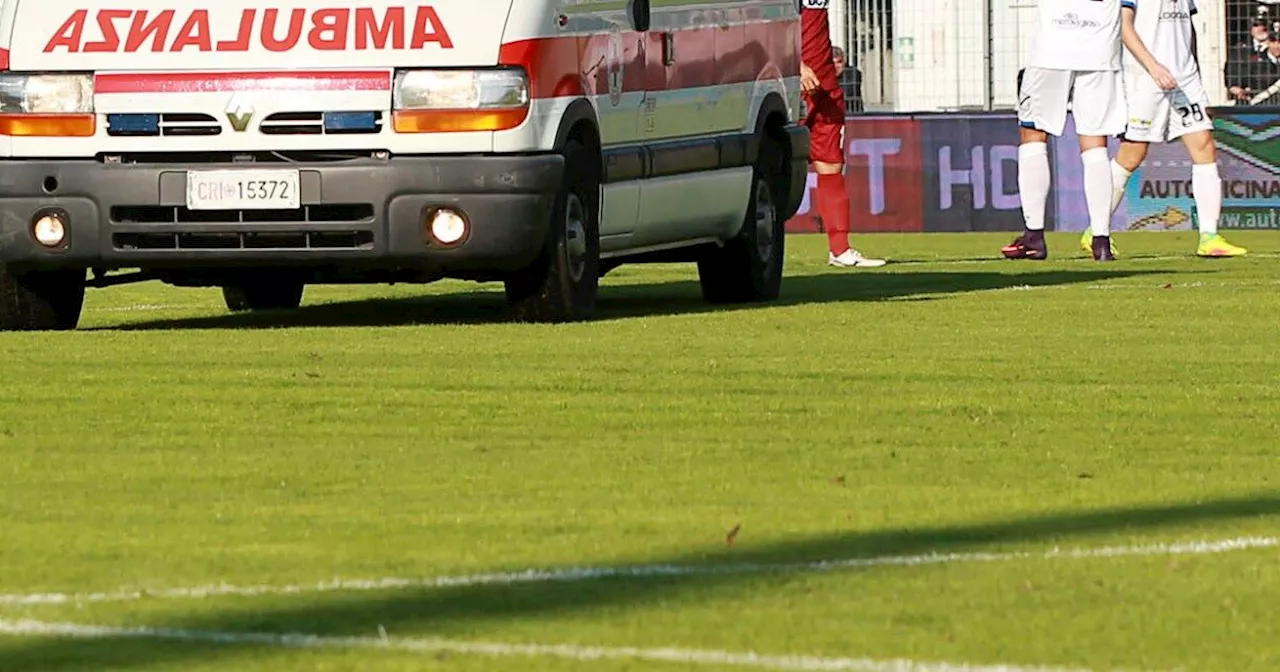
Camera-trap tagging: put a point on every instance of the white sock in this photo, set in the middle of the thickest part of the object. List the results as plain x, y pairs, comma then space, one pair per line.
1119, 181
1033, 183
1097, 189
1206, 185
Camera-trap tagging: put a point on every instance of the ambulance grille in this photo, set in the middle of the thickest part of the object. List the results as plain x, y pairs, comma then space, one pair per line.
342, 226
307, 214
245, 240
169, 124
322, 123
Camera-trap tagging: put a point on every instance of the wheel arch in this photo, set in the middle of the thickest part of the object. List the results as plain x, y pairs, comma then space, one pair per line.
788, 170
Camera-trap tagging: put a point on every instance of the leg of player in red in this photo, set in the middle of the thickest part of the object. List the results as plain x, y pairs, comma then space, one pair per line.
824, 100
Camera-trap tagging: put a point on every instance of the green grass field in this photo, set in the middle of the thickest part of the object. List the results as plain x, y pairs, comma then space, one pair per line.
874, 469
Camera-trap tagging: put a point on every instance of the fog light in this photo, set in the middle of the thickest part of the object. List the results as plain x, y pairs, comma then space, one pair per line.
448, 226
50, 230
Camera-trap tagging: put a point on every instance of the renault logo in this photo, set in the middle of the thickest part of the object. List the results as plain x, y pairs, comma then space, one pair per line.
239, 112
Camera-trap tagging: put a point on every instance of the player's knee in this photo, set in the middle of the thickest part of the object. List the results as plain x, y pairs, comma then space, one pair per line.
1029, 135
1088, 142
1200, 146
1131, 154
827, 168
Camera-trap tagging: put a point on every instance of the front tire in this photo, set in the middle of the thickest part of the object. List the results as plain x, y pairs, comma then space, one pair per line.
40, 301
748, 268
562, 284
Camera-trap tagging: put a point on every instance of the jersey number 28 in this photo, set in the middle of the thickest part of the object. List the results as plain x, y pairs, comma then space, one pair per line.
1191, 112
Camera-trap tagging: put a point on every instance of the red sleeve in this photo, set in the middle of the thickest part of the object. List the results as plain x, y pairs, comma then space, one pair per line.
815, 45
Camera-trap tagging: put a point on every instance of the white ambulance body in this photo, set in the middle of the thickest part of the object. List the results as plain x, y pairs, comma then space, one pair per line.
260, 147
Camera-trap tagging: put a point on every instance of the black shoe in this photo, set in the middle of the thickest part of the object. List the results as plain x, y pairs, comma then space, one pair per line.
1102, 249
1030, 245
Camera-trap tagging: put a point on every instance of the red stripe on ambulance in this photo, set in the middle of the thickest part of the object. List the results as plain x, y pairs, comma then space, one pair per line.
575, 65
342, 29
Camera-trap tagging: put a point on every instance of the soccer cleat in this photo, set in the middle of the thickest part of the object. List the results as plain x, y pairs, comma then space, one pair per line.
1217, 246
853, 259
1101, 249
1086, 243
1027, 246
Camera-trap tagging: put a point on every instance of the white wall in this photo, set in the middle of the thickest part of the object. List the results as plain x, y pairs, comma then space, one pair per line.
948, 69
1014, 22
1211, 32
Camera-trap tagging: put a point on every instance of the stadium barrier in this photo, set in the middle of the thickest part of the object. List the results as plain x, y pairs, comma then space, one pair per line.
959, 172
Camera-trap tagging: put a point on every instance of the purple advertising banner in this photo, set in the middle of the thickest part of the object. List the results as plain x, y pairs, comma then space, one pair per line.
957, 172
970, 166
1159, 195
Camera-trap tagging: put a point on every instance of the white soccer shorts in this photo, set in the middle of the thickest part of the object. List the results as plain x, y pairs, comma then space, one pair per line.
1164, 116
1096, 101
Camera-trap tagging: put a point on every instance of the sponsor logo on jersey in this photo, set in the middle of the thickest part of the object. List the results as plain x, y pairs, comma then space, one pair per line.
1073, 20
1177, 13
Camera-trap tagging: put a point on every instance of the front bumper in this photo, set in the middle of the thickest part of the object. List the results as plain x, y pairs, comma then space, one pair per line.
364, 213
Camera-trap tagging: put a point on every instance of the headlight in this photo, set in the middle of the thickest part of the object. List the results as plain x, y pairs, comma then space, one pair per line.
46, 94
461, 89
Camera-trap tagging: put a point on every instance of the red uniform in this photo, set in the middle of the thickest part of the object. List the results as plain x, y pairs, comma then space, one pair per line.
826, 109
825, 119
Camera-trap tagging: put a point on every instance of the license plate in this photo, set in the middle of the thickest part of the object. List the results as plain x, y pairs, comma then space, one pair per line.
243, 190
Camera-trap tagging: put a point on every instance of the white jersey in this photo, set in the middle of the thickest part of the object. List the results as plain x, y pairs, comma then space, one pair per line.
1165, 28
1078, 35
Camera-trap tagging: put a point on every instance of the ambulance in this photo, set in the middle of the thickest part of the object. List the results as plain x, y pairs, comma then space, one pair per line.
262, 146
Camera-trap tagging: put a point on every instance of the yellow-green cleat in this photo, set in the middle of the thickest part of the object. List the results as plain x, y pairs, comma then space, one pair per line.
1086, 243
1217, 246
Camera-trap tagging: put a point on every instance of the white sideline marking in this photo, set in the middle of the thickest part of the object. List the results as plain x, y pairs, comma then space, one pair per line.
143, 307
565, 651
1080, 259
1198, 284
575, 574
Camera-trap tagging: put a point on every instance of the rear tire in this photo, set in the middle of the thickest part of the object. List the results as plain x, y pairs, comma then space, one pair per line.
41, 301
748, 268
562, 284
274, 294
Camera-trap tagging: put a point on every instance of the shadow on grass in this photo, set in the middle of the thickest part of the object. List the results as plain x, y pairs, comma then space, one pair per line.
445, 610
640, 300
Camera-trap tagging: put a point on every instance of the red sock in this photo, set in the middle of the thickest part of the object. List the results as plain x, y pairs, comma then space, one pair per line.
833, 206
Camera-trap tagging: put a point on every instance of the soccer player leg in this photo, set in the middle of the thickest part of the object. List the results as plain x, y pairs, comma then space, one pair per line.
1042, 111
826, 151
1100, 112
1148, 122
1189, 121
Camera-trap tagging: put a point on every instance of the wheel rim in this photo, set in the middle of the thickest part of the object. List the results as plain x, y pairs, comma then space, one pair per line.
575, 236
765, 215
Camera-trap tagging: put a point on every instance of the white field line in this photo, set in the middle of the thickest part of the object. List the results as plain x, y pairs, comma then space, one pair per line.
141, 307
494, 649
1082, 259
1198, 284
576, 574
